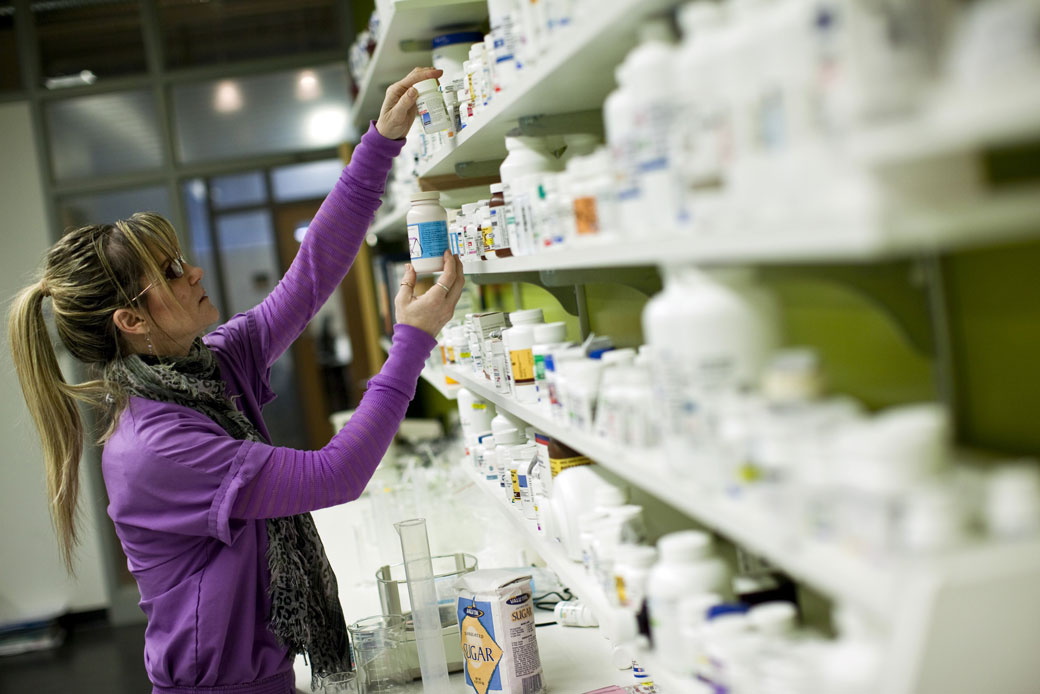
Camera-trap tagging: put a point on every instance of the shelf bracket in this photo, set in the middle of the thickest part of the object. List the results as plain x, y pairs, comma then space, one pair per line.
542, 125
898, 289
645, 280
478, 169
564, 293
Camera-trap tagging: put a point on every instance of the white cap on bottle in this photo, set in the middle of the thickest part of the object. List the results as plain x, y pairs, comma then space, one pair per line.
684, 546
549, 333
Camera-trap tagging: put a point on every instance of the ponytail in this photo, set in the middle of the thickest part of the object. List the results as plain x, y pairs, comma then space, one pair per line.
89, 274
54, 412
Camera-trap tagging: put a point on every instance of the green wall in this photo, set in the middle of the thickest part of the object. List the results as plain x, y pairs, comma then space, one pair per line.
995, 323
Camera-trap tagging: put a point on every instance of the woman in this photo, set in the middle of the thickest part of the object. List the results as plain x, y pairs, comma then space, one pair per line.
213, 518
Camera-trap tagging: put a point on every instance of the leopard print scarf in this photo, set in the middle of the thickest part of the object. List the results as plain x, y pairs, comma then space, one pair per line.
305, 611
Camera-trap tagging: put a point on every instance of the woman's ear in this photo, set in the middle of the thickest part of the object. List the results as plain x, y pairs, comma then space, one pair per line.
130, 322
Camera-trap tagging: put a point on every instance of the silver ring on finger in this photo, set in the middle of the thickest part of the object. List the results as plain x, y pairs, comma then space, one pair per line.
446, 288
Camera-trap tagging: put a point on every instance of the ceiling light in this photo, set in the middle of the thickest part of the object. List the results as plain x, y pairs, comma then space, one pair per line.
228, 97
80, 79
308, 86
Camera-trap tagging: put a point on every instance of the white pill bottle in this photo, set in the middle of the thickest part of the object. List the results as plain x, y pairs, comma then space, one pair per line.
427, 232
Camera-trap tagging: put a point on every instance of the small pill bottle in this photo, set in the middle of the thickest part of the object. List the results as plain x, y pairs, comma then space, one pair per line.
431, 110
571, 613
427, 232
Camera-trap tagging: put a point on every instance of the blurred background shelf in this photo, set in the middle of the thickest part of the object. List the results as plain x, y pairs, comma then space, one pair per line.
835, 572
412, 23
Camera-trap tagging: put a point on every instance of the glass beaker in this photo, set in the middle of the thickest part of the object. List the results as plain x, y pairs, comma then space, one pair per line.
379, 653
338, 683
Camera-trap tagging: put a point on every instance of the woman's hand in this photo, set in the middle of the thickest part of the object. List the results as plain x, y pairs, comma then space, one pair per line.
398, 112
433, 309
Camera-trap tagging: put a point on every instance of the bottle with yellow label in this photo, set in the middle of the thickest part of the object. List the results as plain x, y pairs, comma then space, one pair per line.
519, 341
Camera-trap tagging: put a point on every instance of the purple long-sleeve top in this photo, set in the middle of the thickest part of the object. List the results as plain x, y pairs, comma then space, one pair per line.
189, 502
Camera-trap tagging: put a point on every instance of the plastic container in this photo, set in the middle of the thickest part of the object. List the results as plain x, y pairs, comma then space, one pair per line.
623, 525
573, 492
484, 459
653, 82
499, 361
685, 568
507, 432
471, 242
1012, 506
710, 334
571, 613
579, 382
547, 337
693, 616
699, 134
555, 367
475, 416
504, 19
430, 107
531, 316
619, 114
528, 159
476, 76
519, 341
497, 241
450, 52
777, 618
427, 232
460, 346
632, 564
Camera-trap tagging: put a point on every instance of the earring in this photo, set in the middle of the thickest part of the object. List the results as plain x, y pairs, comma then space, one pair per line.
151, 349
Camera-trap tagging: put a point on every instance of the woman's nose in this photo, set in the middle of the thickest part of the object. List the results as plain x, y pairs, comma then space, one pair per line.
195, 273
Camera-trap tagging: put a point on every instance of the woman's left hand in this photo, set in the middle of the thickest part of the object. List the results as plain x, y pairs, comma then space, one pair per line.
398, 112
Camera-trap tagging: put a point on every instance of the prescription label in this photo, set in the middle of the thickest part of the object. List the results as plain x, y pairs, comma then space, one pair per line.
427, 239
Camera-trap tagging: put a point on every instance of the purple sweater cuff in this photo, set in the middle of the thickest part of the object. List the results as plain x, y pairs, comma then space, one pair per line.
411, 346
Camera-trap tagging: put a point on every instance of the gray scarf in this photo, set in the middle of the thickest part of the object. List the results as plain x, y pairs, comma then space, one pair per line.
305, 612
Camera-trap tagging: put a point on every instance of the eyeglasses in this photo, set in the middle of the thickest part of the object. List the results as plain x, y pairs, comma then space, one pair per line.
175, 270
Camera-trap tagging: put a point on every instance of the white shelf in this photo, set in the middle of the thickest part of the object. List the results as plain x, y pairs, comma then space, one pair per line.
972, 223
576, 74
435, 377
918, 598
572, 574
837, 573
957, 123
410, 19
391, 223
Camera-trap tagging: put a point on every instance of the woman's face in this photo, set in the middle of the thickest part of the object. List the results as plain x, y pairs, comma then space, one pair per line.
176, 326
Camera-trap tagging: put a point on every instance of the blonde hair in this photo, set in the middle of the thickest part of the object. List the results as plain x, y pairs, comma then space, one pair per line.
89, 274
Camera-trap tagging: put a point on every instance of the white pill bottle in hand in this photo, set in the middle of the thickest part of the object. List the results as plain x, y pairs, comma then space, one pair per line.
427, 232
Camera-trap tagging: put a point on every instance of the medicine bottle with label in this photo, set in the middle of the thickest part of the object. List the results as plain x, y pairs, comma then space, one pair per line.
518, 341
427, 232
571, 613
496, 242
432, 112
